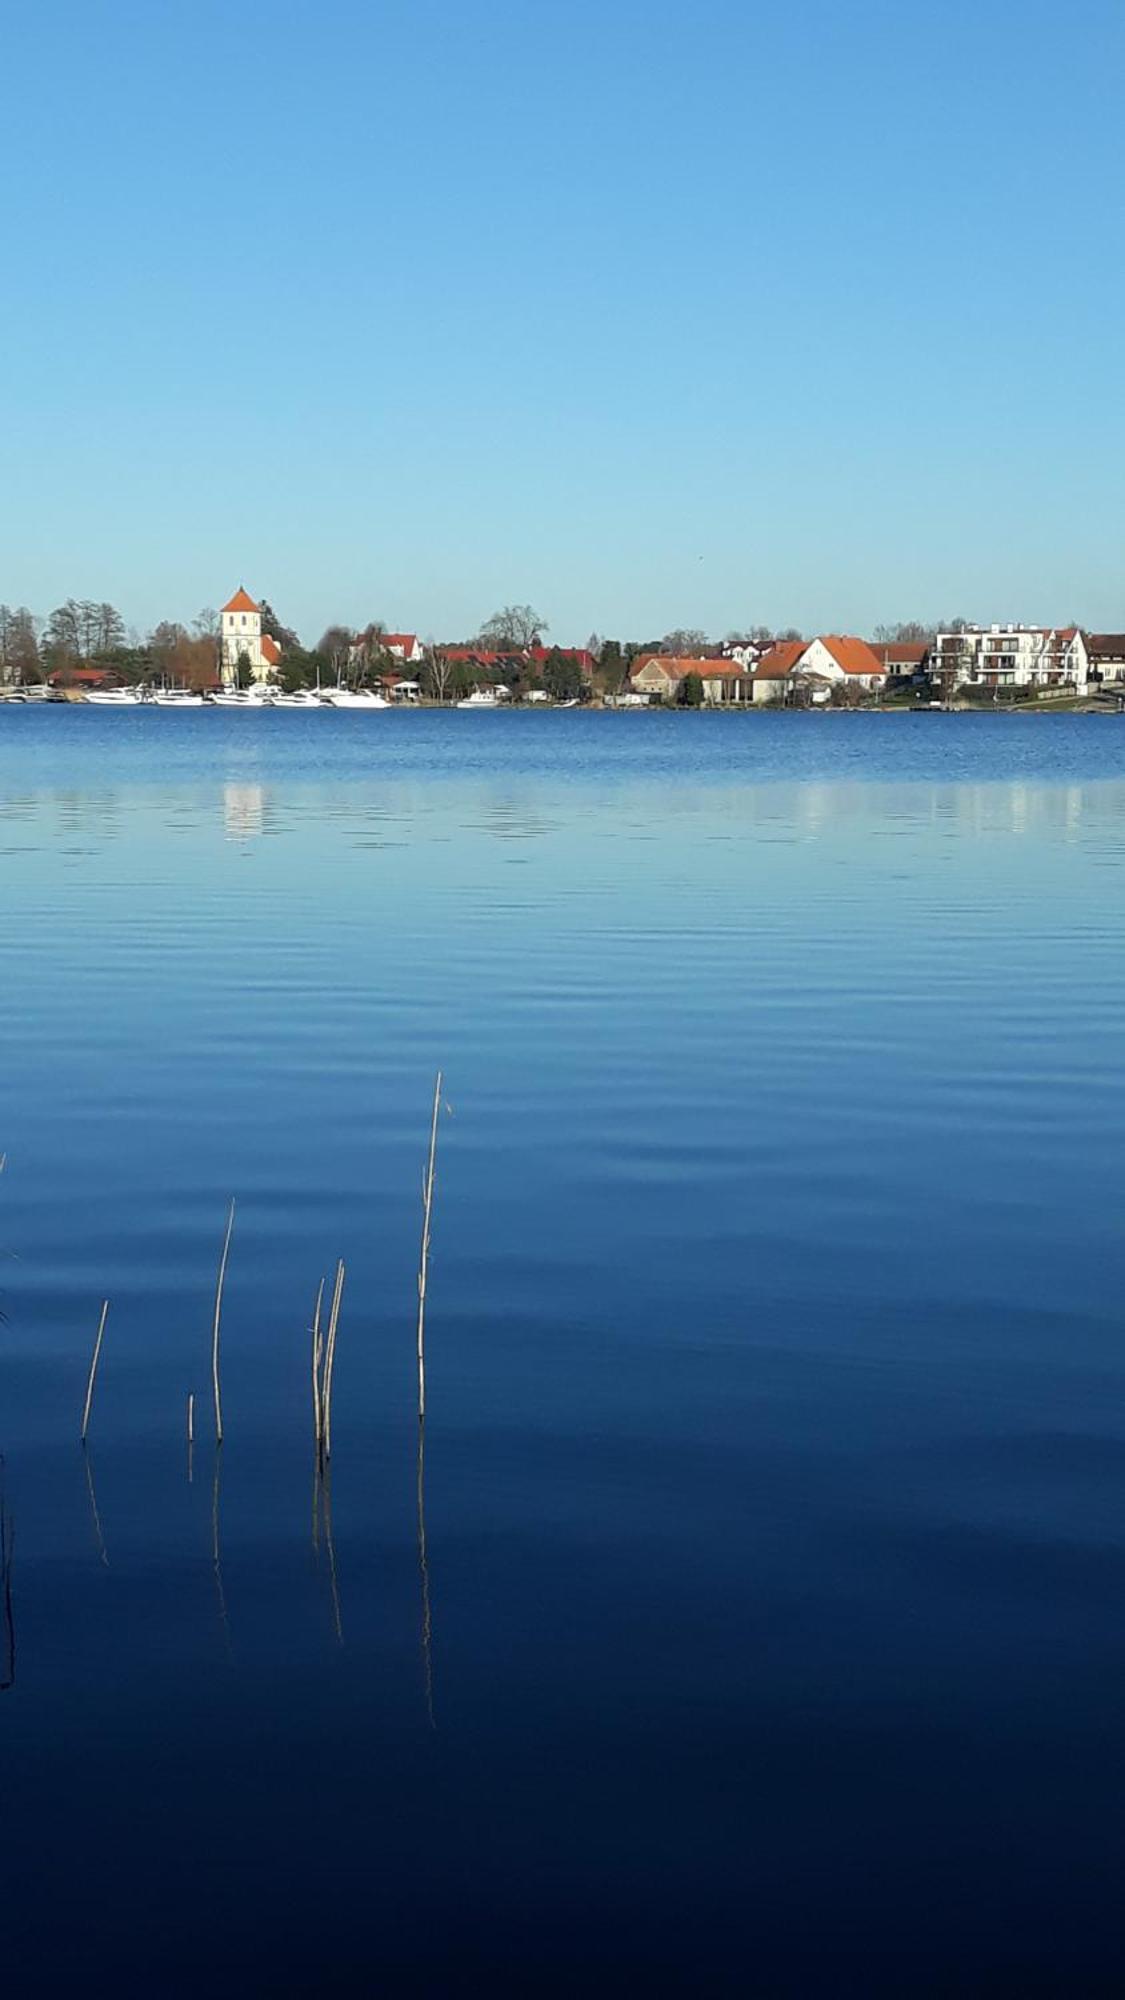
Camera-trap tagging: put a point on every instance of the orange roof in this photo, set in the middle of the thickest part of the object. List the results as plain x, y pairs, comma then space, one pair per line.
854, 655
270, 649
779, 661
241, 601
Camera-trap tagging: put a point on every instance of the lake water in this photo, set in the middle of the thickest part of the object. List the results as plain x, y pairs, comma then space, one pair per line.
764, 1625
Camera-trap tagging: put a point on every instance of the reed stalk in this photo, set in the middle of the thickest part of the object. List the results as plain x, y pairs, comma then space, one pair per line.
94, 1370
317, 1354
330, 1361
424, 1257
215, 1328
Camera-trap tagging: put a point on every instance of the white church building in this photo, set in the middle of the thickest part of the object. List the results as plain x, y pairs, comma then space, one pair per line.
242, 635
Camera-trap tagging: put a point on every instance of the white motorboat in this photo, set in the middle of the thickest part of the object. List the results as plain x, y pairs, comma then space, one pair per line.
484, 698
177, 698
240, 698
116, 697
355, 698
304, 698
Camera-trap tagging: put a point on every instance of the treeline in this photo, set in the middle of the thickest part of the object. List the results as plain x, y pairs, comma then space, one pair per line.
83, 633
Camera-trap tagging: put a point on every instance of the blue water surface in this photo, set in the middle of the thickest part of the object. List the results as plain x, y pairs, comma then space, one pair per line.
754, 1616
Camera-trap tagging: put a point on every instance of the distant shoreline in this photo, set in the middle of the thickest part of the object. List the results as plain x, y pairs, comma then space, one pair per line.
1106, 706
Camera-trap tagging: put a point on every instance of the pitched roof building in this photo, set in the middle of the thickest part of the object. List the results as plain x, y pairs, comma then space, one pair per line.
242, 638
660, 675
836, 659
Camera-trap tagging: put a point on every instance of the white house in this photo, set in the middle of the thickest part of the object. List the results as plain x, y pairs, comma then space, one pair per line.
242, 637
403, 646
771, 679
825, 664
843, 661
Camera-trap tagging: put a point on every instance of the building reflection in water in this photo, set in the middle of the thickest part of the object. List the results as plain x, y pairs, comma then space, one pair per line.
244, 810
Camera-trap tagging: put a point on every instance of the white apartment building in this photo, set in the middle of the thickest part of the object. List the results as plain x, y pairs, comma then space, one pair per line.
997, 656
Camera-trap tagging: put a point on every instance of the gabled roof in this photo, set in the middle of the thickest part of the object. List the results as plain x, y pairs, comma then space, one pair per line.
1106, 645
270, 649
853, 655
914, 650
241, 601
677, 669
779, 662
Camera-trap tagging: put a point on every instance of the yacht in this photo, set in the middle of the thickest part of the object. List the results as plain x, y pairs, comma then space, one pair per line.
355, 698
177, 698
116, 697
304, 698
258, 696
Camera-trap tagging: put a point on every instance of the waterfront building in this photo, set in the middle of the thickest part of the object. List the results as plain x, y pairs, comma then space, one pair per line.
660, 677
242, 638
1105, 653
1011, 656
799, 668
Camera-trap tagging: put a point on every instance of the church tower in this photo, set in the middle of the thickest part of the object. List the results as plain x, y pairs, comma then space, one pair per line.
242, 634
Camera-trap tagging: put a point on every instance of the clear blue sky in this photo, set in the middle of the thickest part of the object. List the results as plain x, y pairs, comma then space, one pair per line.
789, 311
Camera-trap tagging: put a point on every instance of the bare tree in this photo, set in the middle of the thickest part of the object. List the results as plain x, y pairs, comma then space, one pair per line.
205, 624
685, 643
513, 629
909, 632
109, 628
191, 662
439, 673
19, 647
163, 641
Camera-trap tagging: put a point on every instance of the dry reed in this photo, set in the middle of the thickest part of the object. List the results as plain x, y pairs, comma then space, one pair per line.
330, 1362
215, 1327
424, 1258
94, 1370
317, 1355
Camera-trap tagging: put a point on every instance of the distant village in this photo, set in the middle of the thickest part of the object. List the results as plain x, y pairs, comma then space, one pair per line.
242, 655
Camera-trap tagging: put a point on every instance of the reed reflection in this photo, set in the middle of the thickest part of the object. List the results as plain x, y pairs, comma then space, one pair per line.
322, 1524
216, 1544
427, 1627
93, 1498
7, 1550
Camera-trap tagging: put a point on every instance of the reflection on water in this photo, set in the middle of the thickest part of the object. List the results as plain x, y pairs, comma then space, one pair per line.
427, 1631
244, 810
7, 1550
95, 1517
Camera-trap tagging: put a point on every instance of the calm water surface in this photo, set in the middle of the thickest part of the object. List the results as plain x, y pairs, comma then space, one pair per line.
763, 1625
